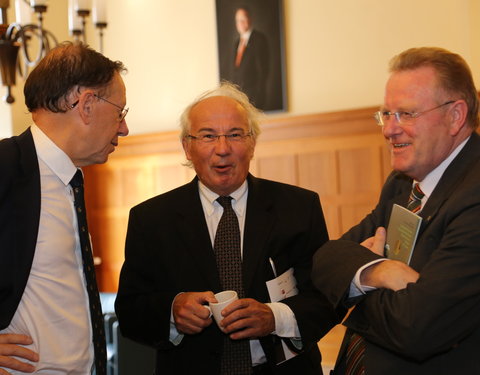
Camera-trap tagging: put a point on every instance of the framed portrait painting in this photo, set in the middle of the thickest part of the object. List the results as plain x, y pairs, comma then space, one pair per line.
251, 49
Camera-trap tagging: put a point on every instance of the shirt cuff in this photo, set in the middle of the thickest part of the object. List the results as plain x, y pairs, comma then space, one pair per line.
175, 336
285, 321
356, 288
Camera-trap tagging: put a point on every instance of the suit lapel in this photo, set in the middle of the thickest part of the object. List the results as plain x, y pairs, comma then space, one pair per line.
26, 203
452, 176
197, 239
258, 226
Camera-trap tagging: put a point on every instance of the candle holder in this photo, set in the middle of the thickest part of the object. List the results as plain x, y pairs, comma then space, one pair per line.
23, 46
83, 14
101, 26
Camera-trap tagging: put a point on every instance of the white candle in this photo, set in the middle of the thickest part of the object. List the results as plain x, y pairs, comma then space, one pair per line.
74, 21
37, 2
99, 13
82, 5
23, 12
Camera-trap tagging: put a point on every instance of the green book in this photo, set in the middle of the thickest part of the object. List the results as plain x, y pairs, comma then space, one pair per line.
402, 234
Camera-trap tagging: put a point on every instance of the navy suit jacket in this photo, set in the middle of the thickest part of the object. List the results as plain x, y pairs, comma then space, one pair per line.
19, 219
168, 251
432, 326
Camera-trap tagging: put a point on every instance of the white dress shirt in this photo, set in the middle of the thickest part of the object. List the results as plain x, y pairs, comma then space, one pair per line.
54, 308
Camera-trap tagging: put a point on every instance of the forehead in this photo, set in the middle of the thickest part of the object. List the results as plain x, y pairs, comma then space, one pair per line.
420, 83
241, 14
218, 113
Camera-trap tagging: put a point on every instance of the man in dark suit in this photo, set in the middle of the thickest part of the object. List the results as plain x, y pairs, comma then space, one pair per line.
421, 318
250, 65
172, 269
77, 98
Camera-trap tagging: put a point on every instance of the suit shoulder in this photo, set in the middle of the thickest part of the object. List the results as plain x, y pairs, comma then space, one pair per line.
282, 188
165, 200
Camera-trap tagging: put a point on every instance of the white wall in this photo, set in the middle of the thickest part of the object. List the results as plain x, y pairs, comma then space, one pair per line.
337, 51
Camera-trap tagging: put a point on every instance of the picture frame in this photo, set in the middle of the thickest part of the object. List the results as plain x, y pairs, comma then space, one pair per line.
258, 67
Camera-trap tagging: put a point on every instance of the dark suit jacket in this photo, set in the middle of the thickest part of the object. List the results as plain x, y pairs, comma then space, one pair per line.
168, 251
252, 73
19, 219
432, 326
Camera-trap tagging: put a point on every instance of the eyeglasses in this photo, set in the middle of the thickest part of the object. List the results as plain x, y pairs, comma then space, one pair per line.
123, 111
403, 117
210, 138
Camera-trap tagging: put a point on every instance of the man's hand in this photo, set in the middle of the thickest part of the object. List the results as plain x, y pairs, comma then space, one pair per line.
247, 318
189, 311
376, 243
10, 347
390, 274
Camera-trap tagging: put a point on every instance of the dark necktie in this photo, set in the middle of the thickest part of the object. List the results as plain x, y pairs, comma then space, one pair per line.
236, 358
356, 346
96, 316
415, 199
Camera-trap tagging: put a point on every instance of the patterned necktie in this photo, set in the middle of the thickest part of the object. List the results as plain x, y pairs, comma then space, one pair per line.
96, 316
356, 346
415, 199
236, 358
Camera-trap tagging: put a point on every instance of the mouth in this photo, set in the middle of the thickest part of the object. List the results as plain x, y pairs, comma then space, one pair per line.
400, 145
222, 168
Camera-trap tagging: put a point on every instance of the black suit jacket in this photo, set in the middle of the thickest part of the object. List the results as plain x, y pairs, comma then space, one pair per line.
432, 326
168, 251
253, 71
19, 219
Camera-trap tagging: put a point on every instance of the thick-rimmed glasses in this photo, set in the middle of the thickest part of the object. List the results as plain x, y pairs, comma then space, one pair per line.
403, 117
121, 115
211, 138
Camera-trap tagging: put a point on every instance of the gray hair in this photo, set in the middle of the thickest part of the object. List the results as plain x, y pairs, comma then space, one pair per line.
231, 91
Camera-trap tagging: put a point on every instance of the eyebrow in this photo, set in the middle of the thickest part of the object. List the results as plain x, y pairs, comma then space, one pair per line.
214, 131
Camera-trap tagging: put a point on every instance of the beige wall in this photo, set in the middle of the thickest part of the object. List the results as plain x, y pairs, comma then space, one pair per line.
337, 51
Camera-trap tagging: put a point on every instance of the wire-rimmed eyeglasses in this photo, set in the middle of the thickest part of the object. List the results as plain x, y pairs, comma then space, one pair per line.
210, 138
403, 117
121, 115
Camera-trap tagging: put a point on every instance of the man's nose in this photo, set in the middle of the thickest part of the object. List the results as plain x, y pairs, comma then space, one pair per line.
123, 129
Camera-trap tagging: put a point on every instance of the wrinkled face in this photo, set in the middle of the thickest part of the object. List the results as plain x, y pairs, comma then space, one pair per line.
106, 126
420, 146
242, 21
222, 165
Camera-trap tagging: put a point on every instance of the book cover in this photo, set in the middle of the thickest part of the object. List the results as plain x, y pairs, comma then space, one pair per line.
402, 234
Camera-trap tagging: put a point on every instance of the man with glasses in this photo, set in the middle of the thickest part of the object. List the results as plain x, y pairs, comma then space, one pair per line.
50, 319
424, 317
174, 263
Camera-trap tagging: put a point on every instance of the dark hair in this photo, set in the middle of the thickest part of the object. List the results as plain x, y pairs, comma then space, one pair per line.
454, 76
67, 67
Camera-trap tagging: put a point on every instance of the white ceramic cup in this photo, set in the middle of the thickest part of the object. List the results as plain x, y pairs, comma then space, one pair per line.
224, 299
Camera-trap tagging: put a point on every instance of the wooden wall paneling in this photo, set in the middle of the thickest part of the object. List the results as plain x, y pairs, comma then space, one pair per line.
317, 171
280, 168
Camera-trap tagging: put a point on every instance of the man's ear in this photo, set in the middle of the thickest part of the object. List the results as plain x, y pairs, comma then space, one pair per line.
186, 148
458, 116
86, 105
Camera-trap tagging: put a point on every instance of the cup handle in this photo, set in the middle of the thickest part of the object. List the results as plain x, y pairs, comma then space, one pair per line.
209, 309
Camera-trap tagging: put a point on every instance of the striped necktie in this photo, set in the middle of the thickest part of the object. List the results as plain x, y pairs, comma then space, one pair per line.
415, 199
